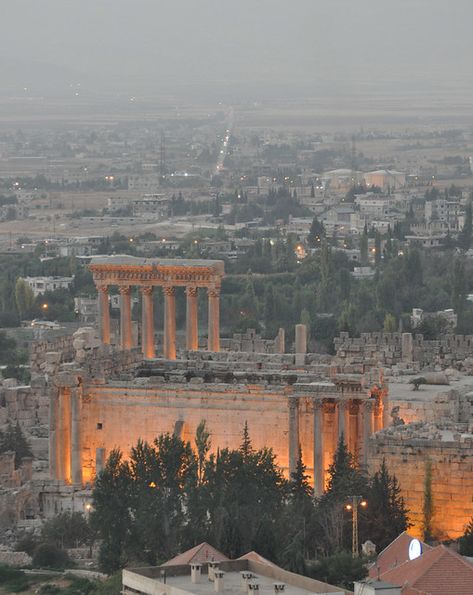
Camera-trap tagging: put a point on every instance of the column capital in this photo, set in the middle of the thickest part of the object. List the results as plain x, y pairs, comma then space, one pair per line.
343, 404
191, 291
146, 290
124, 290
102, 288
369, 405
293, 403
318, 404
213, 292
169, 291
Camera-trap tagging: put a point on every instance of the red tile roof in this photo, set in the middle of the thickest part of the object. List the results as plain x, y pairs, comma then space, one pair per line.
396, 553
200, 553
438, 571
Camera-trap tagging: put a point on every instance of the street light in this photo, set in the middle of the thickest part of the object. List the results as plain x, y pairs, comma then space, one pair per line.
352, 506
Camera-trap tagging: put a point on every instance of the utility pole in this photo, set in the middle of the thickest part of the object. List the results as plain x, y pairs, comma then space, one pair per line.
353, 506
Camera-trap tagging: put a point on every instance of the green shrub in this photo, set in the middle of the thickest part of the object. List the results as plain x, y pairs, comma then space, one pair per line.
7, 573
47, 555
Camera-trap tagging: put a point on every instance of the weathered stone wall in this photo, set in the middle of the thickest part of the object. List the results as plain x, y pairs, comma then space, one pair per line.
449, 449
413, 351
62, 345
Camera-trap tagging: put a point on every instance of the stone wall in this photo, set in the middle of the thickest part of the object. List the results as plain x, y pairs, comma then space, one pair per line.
412, 351
62, 345
449, 448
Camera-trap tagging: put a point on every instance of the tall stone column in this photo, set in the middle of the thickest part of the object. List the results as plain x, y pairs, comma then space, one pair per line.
293, 433
125, 317
386, 411
368, 427
103, 314
319, 447
63, 435
192, 326
378, 415
147, 323
214, 319
76, 462
169, 323
53, 429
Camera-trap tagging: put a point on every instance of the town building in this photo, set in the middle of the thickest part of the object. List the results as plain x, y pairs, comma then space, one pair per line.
40, 285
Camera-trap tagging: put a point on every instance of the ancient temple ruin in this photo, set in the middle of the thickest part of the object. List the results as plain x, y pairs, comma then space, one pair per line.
126, 272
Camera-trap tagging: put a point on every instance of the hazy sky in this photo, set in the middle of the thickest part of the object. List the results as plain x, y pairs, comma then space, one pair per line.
131, 45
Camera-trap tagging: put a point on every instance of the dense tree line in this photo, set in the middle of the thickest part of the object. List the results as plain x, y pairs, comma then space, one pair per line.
168, 496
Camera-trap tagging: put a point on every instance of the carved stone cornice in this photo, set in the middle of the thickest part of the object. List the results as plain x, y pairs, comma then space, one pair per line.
175, 274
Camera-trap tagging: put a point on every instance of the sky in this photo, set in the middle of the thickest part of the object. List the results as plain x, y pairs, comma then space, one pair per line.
135, 46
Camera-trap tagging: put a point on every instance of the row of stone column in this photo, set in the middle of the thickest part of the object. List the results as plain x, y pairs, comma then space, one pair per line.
169, 343
373, 416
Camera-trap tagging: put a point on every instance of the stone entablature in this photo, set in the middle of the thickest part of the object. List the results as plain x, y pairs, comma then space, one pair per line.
127, 272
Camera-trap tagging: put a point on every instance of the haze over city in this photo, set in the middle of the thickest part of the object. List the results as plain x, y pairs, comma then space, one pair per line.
255, 47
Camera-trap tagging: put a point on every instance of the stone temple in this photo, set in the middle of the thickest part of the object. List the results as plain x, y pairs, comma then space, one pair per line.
104, 388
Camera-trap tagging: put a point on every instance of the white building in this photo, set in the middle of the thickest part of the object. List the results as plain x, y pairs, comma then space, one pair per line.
40, 285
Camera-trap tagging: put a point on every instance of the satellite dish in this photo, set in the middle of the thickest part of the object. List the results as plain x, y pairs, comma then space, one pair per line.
415, 549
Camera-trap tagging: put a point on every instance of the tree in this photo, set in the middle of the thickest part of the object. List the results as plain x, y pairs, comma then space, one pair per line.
14, 440
24, 297
377, 249
459, 289
389, 324
466, 540
202, 443
316, 233
111, 513
428, 505
364, 247
345, 479
387, 517
465, 236
66, 530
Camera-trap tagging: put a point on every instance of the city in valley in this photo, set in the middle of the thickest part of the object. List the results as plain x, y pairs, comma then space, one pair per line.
236, 305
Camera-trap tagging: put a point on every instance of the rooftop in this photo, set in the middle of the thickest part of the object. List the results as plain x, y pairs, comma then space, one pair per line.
177, 579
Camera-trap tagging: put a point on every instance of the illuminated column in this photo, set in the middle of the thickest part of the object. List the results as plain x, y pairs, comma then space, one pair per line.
318, 447
386, 412
293, 434
103, 314
169, 323
76, 463
192, 336
214, 319
368, 427
53, 443
147, 324
63, 435
125, 317
378, 415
